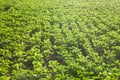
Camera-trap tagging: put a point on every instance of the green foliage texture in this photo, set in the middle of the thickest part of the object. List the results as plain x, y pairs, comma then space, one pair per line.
59, 39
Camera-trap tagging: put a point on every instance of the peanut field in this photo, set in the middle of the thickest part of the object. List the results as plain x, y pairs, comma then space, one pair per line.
59, 39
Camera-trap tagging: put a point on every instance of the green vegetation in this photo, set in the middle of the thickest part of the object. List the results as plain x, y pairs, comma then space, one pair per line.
59, 39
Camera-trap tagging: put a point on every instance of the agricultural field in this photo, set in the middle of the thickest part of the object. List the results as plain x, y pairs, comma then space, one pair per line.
59, 39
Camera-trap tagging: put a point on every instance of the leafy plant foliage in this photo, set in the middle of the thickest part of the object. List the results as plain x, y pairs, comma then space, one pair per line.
59, 39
